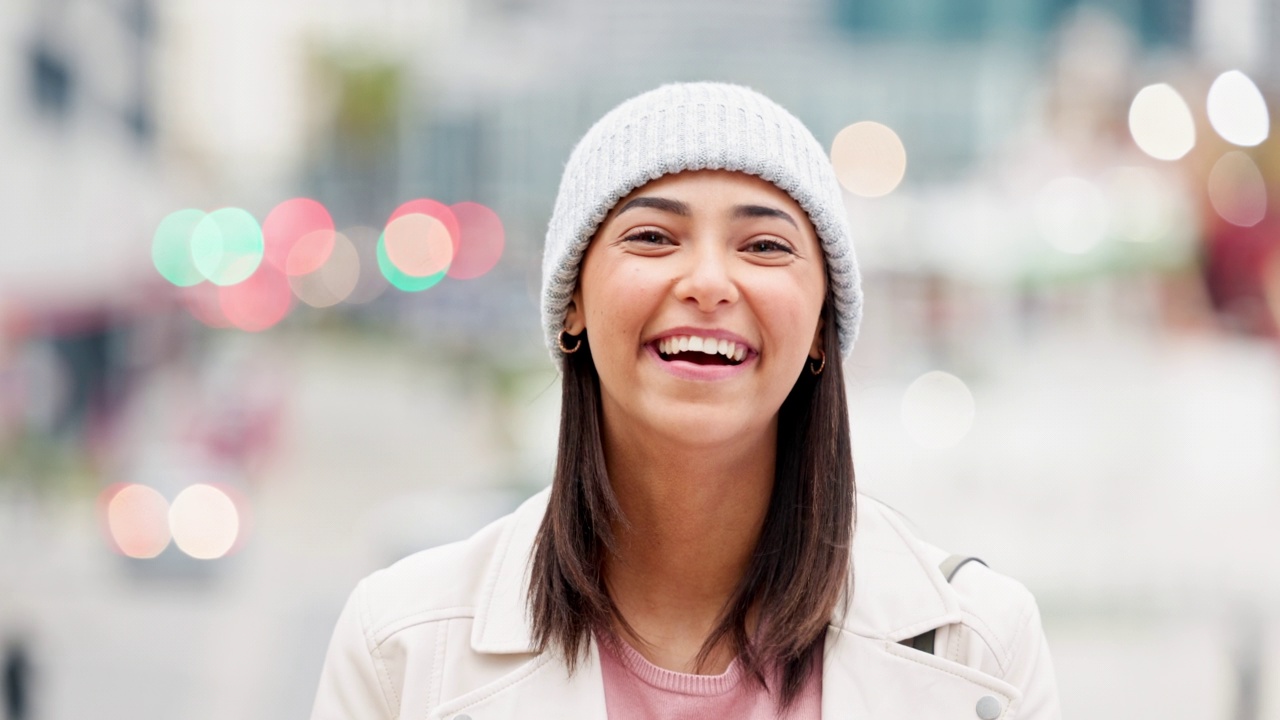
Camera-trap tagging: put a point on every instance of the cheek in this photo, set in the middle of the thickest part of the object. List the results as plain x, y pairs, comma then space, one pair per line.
621, 301
791, 307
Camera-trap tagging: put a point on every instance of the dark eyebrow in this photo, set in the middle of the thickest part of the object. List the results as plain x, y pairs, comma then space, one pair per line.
677, 207
657, 203
755, 211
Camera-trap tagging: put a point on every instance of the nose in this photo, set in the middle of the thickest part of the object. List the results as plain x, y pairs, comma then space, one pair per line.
707, 279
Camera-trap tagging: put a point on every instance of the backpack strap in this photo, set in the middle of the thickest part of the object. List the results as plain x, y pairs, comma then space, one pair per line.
949, 567
922, 642
952, 565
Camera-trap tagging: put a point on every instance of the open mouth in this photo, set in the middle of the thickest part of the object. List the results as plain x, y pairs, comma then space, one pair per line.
701, 351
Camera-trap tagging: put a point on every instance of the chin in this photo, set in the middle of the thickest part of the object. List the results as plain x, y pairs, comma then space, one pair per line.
701, 425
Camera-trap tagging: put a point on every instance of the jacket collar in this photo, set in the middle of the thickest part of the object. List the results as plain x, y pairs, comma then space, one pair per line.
900, 591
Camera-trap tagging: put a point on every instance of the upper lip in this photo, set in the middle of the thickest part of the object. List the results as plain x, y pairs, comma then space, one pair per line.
703, 332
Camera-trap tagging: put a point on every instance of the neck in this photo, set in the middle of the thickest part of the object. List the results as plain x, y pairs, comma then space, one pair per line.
693, 517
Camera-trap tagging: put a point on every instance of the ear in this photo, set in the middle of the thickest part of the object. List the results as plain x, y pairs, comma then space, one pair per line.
575, 320
815, 350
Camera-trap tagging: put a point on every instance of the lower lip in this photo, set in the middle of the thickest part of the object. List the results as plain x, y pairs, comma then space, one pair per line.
692, 371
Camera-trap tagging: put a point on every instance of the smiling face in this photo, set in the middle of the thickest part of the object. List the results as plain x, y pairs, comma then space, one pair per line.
701, 294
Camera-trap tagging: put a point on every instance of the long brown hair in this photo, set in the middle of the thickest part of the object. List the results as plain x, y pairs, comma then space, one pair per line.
801, 562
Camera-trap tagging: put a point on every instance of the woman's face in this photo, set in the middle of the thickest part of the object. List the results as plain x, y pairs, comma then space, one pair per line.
701, 295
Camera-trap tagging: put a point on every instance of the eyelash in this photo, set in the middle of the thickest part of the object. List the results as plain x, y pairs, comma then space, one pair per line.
771, 246
641, 236
653, 237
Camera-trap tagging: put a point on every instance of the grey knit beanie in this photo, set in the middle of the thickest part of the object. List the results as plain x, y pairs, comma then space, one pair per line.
695, 126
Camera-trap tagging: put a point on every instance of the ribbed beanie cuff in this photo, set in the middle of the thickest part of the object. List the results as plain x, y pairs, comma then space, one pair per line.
695, 126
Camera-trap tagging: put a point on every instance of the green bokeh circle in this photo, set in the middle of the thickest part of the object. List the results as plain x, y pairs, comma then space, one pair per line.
171, 247
400, 279
227, 246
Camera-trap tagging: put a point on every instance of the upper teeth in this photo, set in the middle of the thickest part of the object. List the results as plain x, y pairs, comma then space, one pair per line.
710, 346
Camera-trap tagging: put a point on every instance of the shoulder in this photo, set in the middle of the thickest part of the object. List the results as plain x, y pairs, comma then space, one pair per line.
998, 609
444, 582
983, 619
399, 620
990, 596
1000, 633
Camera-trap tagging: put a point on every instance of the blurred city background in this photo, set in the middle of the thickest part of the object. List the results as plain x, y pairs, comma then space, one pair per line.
268, 313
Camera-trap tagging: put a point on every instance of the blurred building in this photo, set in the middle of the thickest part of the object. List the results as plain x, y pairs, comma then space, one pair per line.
78, 102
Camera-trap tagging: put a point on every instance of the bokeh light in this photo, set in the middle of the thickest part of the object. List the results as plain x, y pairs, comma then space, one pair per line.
227, 246
171, 247
289, 223
1237, 110
869, 159
204, 521
418, 245
1237, 190
259, 302
137, 519
400, 279
431, 208
937, 410
480, 243
420, 234
1071, 214
1161, 122
332, 282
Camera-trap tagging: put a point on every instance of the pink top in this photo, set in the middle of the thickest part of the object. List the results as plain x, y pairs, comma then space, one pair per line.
636, 689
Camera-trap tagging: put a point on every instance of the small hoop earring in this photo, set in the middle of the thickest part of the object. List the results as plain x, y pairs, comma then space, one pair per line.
821, 366
568, 350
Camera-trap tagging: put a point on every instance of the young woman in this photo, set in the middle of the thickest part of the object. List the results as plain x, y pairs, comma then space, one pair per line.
698, 554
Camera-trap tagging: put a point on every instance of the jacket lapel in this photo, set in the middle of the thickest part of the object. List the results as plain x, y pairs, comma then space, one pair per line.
502, 622
543, 686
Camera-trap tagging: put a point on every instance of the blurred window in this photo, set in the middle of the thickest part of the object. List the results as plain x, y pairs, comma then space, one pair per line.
1156, 22
1165, 22
51, 81
916, 19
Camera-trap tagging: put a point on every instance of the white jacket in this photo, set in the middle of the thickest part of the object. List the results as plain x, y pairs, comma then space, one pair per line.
444, 634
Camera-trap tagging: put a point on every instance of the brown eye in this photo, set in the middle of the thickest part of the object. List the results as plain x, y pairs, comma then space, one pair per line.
768, 246
648, 237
